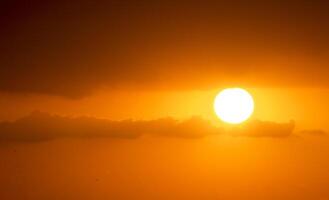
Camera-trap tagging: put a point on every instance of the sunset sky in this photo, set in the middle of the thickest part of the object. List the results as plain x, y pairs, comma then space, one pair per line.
115, 100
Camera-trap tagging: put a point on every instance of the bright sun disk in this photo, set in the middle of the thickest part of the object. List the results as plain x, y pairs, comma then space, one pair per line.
234, 105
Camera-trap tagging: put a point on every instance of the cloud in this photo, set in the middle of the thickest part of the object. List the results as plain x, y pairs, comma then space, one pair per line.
314, 132
265, 129
195, 127
39, 126
69, 49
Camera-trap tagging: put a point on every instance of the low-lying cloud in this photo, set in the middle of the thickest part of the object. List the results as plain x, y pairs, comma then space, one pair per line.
39, 126
313, 132
265, 129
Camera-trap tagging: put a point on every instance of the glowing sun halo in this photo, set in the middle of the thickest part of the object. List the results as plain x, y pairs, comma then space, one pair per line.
234, 105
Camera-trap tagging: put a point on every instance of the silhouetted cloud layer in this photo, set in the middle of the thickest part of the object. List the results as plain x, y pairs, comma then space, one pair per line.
265, 129
40, 126
314, 132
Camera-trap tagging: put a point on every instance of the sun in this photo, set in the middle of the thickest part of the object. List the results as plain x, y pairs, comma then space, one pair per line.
234, 105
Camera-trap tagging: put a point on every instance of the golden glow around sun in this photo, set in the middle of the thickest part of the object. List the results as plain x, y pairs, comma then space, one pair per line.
234, 105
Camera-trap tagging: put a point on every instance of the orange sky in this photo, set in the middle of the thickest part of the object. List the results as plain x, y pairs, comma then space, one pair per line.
114, 100
229, 168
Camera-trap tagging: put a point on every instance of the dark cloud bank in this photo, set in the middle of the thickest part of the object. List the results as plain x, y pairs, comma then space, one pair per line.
70, 48
39, 126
